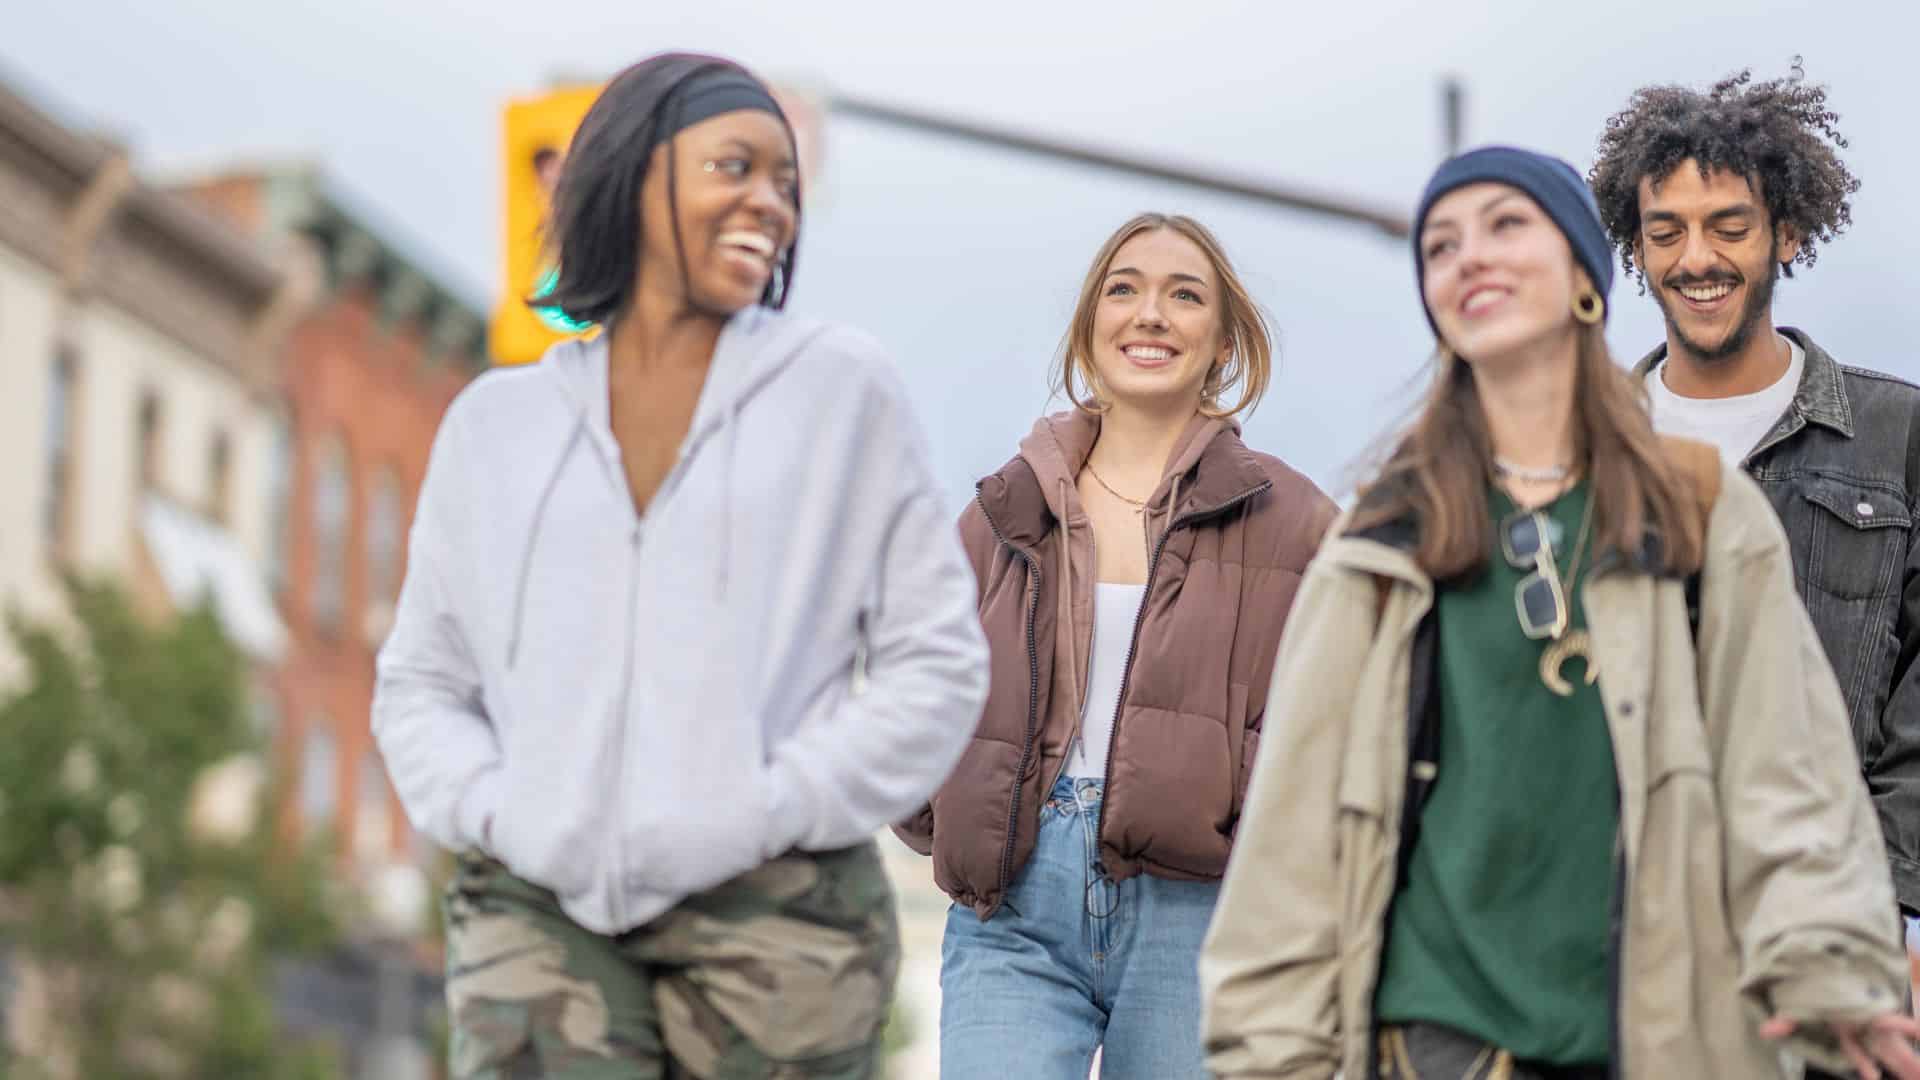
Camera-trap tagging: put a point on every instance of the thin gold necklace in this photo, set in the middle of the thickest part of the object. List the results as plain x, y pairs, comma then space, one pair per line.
1139, 505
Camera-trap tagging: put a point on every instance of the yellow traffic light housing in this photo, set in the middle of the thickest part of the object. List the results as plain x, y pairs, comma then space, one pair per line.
535, 134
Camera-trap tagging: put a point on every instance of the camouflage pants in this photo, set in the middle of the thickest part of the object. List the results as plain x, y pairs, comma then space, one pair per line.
783, 973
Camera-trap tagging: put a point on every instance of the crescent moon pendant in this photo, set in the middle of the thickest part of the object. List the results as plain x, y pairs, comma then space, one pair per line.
1575, 643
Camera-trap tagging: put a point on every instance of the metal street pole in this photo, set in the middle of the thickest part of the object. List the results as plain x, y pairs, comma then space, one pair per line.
1452, 113
1392, 222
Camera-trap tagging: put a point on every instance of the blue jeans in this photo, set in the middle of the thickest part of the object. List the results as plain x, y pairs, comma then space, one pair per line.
1073, 961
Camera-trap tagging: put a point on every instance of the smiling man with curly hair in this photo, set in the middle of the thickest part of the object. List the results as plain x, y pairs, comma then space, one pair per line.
1711, 197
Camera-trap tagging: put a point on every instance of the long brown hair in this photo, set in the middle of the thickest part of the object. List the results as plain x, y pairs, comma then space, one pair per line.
1438, 471
1249, 365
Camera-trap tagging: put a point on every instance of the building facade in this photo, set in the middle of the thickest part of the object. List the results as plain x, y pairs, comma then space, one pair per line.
378, 351
140, 349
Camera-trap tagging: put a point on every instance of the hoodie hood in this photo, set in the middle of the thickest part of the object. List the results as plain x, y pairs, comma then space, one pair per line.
753, 349
1058, 447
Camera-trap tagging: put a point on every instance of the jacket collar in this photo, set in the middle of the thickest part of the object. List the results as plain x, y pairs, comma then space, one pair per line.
1822, 395
1213, 466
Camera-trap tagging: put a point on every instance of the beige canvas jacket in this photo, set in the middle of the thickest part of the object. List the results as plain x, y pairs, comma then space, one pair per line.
1754, 876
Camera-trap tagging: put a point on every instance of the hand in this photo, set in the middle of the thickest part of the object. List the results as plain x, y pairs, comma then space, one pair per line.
1885, 1040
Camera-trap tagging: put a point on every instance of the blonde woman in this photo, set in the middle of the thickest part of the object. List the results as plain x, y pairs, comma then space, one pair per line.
1135, 561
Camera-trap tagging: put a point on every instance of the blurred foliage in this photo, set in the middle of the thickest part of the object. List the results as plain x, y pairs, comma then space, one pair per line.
145, 940
900, 1030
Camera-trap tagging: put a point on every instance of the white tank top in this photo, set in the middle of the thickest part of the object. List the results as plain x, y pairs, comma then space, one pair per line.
1115, 607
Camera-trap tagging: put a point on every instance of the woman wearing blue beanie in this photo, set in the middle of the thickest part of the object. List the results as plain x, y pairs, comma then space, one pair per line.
1556, 780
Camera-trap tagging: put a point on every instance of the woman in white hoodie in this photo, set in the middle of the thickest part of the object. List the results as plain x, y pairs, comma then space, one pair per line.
684, 622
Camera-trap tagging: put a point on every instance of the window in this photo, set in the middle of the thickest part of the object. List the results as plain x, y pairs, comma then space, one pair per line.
319, 773
56, 505
331, 507
279, 504
372, 822
219, 469
383, 539
147, 442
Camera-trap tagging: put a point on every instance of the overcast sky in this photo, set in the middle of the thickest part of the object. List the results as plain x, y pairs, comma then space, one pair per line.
965, 262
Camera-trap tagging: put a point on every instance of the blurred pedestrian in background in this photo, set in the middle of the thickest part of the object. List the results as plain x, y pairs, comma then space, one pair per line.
1556, 780
1713, 197
684, 622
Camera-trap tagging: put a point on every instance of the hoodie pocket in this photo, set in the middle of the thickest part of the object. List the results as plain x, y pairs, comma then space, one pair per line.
693, 781
548, 829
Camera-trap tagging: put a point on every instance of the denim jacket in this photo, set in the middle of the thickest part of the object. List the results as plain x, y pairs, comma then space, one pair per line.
1842, 470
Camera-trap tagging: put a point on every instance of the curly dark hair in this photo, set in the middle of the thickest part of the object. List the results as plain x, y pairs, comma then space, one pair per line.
1778, 134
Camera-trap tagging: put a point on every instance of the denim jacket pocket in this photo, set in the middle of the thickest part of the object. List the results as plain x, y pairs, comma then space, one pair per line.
1851, 547
1858, 539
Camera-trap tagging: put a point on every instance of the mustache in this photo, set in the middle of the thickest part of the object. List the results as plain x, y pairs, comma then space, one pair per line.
1717, 277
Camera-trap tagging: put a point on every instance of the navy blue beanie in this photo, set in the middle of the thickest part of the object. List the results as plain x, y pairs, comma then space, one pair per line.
1551, 183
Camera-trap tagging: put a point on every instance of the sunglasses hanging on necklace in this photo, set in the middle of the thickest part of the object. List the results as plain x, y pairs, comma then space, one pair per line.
1541, 598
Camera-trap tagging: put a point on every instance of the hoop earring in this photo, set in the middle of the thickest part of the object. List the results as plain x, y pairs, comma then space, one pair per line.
1589, 307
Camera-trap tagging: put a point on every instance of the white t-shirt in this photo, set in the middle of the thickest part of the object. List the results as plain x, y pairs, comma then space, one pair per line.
1115, 607
1734, 424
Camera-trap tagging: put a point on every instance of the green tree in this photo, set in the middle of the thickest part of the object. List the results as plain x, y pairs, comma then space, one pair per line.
140, 897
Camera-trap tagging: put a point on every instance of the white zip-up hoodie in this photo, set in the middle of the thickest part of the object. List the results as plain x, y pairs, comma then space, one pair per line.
631, 708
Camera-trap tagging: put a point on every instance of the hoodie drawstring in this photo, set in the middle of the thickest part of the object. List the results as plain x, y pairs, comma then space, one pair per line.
1173, 500
533, 537
736, 400
1066, 605
726, 499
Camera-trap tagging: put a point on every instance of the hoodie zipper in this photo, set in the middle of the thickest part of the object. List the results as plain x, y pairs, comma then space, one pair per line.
1033, 697
1073, 734
619, 891
1133, 645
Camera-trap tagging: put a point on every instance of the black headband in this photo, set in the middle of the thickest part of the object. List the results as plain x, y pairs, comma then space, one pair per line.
708, 94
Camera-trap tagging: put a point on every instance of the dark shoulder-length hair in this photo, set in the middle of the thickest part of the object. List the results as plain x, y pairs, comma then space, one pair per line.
1438, 471
594, 231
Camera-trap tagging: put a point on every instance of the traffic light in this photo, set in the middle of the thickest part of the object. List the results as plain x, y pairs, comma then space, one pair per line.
535, 134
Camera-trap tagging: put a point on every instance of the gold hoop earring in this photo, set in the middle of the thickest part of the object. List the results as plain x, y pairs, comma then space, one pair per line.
1589, 307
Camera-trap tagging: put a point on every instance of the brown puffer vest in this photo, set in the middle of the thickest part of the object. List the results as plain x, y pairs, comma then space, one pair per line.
1229, 534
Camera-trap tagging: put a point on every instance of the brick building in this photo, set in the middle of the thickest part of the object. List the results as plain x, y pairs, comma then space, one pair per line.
380, 350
